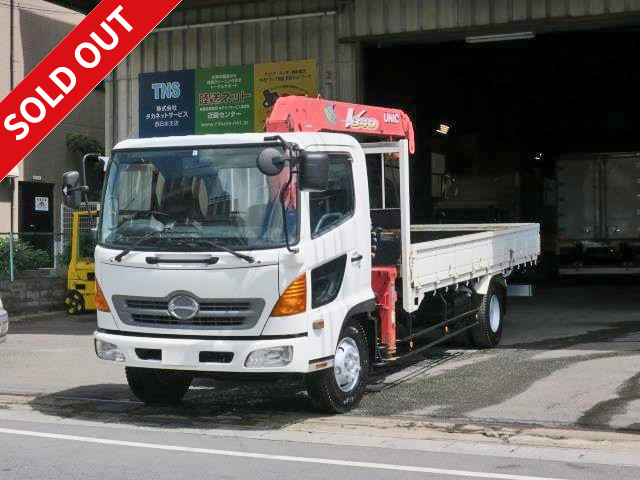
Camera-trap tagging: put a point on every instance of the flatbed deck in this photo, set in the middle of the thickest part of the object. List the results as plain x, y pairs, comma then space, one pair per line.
442, 255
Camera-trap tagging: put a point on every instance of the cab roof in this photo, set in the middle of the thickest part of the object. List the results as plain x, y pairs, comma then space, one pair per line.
303, 139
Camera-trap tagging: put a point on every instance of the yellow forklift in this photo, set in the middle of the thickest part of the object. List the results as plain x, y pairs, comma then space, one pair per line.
81, 275
81, 285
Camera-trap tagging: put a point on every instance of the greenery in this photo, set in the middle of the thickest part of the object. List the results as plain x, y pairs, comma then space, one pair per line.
83, 144
25, 256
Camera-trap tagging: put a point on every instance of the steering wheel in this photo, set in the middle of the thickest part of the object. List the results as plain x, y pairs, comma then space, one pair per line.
326, 220
153, 213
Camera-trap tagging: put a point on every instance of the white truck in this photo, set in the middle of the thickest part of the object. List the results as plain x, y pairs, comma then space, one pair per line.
260, 253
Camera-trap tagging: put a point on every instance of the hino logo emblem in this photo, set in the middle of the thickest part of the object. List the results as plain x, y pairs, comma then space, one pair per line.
183, 307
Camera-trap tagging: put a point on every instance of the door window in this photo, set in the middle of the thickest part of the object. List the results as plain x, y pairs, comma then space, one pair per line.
335, 205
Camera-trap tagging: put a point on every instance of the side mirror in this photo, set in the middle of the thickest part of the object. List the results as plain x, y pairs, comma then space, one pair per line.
314, 172
71, 193
271, 161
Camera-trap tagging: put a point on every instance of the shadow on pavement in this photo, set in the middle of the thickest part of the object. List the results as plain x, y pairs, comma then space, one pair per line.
208, 404
248, 404
55, 323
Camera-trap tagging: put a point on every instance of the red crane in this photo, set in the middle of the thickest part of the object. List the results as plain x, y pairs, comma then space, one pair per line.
304, 114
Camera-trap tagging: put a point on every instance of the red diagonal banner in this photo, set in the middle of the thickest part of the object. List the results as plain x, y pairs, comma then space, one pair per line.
69, 73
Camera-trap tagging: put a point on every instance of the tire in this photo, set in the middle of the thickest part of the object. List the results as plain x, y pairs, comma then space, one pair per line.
158, 386
74, 303
490, 317
333, 390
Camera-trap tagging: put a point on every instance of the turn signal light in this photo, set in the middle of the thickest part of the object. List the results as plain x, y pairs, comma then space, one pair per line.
293, 300
101, 302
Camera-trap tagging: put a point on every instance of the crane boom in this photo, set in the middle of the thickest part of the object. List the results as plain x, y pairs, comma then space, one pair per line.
304, 114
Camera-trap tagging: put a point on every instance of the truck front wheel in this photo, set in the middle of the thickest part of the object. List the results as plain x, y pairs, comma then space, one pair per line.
490, 316
158, 386
339, 389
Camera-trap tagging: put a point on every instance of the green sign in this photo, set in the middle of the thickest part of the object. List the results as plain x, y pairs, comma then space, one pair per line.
224, 99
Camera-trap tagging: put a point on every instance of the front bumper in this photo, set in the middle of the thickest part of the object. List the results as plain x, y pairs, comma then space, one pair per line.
4, 319
185, 353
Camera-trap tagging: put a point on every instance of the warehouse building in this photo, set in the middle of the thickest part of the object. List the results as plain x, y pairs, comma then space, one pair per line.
499, 90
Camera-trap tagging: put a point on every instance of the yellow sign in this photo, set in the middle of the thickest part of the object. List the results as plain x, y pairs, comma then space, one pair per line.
273, 80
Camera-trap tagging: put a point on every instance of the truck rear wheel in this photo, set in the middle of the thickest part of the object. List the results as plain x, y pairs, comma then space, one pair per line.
158, 386
490, 317
339, 389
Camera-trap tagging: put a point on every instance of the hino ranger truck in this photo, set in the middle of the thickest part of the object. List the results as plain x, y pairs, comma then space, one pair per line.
289, 252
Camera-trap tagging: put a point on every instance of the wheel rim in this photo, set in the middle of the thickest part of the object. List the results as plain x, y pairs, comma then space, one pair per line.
73, 303
494, 314
346, 366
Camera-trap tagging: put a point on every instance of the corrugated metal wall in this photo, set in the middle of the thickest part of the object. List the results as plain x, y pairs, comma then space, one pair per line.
265, 41
319, 37
379, 17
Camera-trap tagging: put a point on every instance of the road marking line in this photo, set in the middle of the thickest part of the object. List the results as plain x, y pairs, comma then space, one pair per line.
266, 456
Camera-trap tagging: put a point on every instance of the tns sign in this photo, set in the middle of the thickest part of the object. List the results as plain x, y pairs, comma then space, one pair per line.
167, 103
165, 91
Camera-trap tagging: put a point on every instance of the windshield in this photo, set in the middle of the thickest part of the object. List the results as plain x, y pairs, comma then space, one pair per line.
165, 198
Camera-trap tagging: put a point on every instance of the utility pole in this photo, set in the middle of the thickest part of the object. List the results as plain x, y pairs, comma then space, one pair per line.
11, 180
11, 59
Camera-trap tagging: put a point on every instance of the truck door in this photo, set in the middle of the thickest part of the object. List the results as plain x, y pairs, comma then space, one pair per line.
339, 228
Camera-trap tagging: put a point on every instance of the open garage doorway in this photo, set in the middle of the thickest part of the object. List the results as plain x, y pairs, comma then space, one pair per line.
495, 120
515, 131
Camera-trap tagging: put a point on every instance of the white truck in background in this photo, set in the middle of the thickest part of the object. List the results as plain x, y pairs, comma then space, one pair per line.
258, 253
598, 214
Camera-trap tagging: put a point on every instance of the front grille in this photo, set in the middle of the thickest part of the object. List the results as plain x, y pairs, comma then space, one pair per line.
147, 305
213, 313
196, 321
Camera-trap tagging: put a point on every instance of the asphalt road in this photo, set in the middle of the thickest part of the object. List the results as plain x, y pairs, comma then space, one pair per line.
570, 358
76, 450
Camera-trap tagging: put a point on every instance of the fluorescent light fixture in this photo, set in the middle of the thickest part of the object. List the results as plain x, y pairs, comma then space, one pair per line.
443, 129
502, 37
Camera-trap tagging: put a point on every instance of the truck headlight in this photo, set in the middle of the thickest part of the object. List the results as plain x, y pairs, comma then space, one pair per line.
108, 351
270, 357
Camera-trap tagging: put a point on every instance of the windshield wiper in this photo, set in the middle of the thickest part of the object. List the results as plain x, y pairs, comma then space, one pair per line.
146, 236
201, 241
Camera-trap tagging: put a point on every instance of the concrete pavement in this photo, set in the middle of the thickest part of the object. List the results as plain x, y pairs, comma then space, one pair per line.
570, 357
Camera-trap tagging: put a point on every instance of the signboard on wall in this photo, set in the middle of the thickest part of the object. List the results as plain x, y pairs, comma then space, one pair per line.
273, 80
224, 100
41, 204
166, 105
219, 100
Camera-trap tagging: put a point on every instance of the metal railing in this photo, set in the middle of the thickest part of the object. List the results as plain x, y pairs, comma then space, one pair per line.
27, 254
